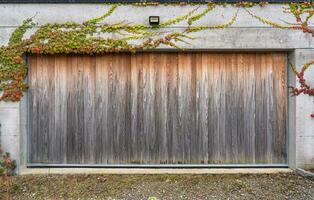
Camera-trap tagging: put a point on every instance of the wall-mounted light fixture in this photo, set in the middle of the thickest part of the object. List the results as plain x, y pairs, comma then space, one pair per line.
153, 20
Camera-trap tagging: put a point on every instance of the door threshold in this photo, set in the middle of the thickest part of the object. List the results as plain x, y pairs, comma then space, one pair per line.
158, 166
82, 170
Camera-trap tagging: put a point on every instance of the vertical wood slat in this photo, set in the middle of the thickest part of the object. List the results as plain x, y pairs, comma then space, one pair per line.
127, 68
264, 141
280, 86
112, 111
136, 130
80, 123
229, 83
156, 108
222, 108
199, 140
32, 106
234, 105
172, 108
185, 85
37, 123
50, 82
259, 115
269, 106
59, 140
250, 110
103, 141
89, 67
276, 110
240, 108
247, 79
73, 145
213, 133
161, 107
44, 107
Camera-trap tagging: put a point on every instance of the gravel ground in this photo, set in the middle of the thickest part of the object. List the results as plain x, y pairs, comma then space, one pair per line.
258, 186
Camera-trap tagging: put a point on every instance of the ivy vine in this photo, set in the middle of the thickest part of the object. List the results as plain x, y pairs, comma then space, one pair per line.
91, 37
86, 38
303, 13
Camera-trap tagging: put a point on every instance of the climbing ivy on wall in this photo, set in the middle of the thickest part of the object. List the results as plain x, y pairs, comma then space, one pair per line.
303, 13
95, 36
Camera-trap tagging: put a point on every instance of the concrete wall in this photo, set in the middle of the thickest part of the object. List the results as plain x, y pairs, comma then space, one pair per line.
304, 124
246, 34
10, 128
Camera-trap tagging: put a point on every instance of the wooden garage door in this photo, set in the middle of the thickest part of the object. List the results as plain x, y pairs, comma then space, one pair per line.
158, 108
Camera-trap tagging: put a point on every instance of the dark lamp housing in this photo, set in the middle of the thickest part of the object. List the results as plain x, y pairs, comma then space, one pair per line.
153, 20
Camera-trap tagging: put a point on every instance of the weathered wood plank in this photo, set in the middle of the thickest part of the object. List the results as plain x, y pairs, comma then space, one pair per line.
214, 112
240, 109
43, 102
276, 110
73, 147
263, 144
59, 140
138, 98
128, 108
281, 139
200, 138
172, 109
112, 112
118, 99
229, 94
151, 90
192, 128
32, 106
147, 129
222, 107
269, 105
186, 111
53, 150
103, 142
161, 107
136, 109
79, 95
233, 103
88, 65
250, 109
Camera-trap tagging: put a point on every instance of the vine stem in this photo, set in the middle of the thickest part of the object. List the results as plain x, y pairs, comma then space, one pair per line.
304, 87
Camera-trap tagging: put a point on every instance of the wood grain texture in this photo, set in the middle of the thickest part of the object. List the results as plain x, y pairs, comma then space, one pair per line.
59, 112
158, 108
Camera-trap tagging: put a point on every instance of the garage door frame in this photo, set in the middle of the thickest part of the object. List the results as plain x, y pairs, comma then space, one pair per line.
290, 117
